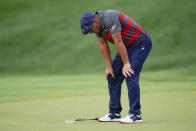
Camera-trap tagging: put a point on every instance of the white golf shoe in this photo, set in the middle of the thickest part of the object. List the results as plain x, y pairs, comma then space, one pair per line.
111, 117
130, 118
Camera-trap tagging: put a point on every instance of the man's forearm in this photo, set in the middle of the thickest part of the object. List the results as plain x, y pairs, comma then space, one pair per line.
120, 47
105, 50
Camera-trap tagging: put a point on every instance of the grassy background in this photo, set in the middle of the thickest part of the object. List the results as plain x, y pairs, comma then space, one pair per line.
43, 36
50, 72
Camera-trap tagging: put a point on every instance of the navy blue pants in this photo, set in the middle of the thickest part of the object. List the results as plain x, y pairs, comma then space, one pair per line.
137, 53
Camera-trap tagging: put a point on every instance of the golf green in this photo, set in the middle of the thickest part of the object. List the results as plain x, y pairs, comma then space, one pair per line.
45, 102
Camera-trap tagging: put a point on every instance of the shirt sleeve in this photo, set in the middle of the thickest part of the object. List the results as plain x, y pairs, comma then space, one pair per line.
112, 23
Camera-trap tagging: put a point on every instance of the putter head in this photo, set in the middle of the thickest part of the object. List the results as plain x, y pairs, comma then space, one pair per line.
70, 122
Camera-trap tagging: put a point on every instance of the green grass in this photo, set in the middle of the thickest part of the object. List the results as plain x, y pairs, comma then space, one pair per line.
48, 69
44, 37
43, 102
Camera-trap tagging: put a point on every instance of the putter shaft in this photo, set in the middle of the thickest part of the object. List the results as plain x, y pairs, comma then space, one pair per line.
86, 119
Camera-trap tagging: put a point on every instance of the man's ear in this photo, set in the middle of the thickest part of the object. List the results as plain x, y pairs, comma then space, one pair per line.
95, 20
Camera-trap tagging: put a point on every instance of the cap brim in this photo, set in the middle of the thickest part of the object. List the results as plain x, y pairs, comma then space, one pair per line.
86, 30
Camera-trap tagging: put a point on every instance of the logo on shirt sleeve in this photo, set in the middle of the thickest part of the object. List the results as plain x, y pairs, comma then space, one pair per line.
112, 28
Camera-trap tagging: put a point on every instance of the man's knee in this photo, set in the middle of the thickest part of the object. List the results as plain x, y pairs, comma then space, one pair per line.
132, 83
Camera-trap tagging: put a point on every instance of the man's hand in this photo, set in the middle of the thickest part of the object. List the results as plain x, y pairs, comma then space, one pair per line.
127, 71
109, 71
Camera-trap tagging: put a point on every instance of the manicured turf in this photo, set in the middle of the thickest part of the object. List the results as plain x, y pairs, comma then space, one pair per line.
45, 102
41, 45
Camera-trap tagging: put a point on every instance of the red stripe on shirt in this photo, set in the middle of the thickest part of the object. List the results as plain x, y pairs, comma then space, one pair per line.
127, 28
134, 36
122, 18
108, 36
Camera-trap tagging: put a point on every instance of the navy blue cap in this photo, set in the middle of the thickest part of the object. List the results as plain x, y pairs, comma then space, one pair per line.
86, 21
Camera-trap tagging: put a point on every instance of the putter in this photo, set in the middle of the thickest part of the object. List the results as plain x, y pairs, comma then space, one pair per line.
73, 121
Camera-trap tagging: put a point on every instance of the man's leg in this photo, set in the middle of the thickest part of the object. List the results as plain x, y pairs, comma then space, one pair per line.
114, 85
137, 56
134, 94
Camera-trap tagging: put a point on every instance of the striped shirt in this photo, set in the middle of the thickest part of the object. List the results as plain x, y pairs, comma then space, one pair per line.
113, 21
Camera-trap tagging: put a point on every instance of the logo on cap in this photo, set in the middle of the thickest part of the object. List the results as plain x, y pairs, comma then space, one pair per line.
82, 30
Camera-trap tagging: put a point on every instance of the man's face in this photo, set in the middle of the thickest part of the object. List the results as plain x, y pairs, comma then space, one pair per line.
95, 28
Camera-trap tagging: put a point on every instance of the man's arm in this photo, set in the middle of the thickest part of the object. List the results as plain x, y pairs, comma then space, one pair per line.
105, 50
121, 49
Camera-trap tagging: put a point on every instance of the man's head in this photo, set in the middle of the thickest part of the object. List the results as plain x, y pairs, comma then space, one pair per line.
90, 23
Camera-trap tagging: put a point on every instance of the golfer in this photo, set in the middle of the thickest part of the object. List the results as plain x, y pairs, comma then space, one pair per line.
133, 46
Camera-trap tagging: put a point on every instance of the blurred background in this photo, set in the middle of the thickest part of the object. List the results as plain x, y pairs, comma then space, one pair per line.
44, 36
50, 72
